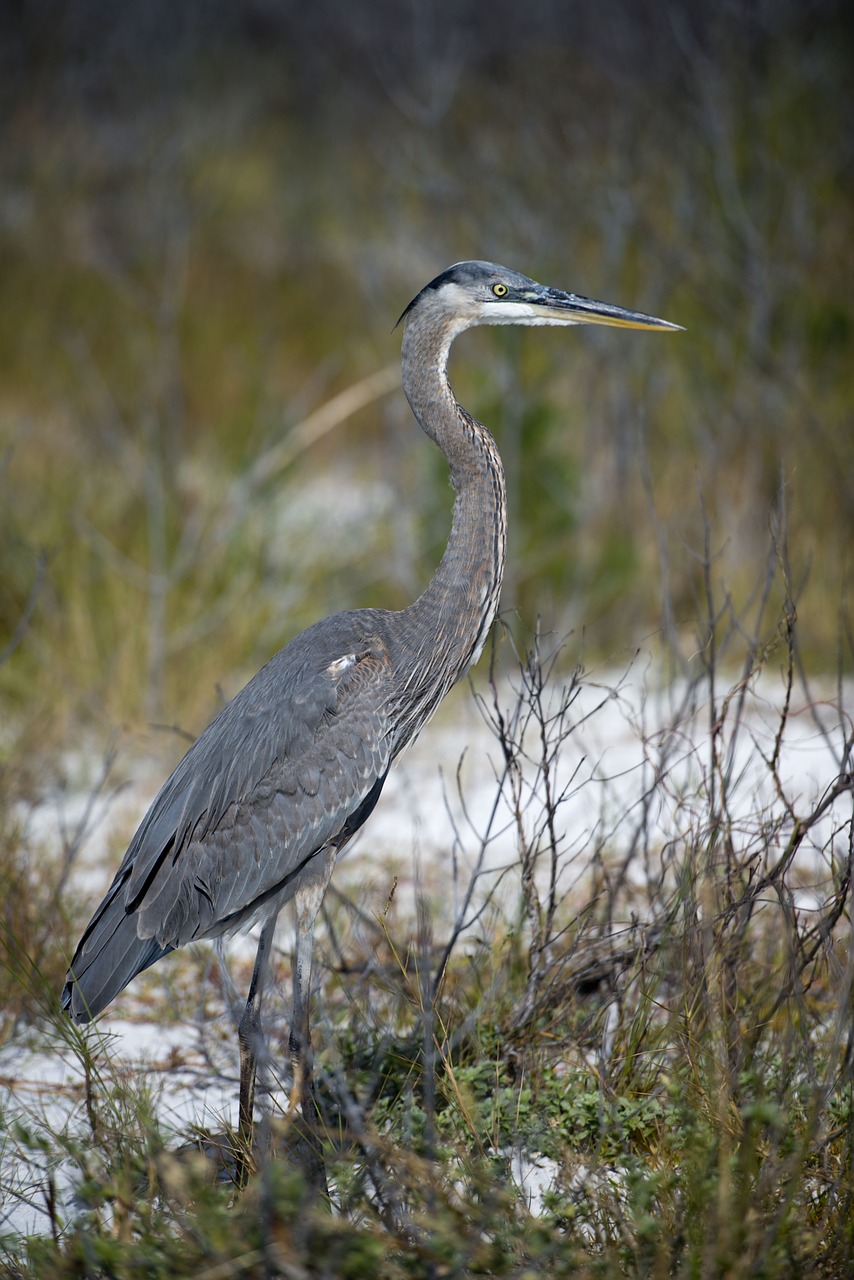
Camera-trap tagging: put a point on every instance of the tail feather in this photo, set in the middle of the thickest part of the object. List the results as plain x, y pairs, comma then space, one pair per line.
110, 954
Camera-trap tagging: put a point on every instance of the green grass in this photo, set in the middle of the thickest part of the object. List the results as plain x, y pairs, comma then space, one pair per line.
675, 1052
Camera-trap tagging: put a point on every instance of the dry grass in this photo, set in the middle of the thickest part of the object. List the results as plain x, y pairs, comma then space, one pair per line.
676, 1054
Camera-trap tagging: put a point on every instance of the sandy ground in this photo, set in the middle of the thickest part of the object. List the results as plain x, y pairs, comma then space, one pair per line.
633, 772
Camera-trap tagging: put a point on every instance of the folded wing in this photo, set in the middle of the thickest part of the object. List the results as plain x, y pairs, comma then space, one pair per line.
292, 766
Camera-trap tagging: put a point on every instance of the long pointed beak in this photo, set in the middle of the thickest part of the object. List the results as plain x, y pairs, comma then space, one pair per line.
556, 307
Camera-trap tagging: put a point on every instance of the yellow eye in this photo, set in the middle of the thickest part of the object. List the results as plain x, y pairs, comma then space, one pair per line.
499, 290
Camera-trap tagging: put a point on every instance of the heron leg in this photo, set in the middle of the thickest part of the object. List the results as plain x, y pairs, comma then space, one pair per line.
307, 901
249, 1039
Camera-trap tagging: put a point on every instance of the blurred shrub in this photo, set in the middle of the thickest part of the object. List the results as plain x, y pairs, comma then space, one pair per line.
209, 222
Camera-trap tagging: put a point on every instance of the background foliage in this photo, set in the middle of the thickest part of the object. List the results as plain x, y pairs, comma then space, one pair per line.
210, 216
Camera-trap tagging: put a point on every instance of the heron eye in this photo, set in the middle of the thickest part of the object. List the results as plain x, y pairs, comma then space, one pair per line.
499, 290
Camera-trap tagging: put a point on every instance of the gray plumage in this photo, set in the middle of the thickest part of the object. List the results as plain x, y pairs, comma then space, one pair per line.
259, 808
255, 797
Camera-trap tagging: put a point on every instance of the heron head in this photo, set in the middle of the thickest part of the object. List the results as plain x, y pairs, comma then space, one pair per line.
472, 293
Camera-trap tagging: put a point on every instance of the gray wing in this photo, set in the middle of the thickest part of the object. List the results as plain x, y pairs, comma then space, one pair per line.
293, 765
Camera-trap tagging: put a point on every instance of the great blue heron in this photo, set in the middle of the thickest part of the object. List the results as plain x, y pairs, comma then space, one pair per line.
264, 801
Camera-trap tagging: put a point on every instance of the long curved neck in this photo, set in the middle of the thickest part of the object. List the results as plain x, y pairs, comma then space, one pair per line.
451, 619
